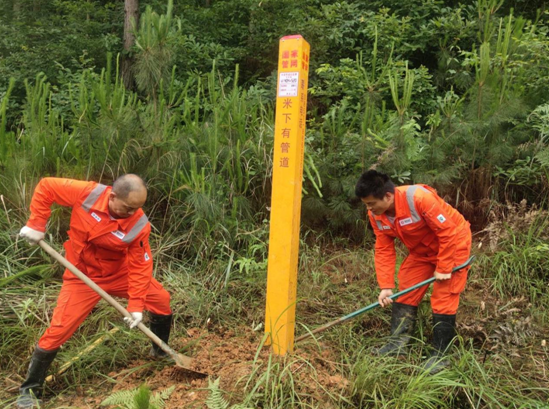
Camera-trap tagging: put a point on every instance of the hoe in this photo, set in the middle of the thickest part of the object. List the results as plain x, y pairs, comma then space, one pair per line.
376, 304
181, 361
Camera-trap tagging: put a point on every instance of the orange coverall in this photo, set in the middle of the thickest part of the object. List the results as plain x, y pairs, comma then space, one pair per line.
438, 238
114, 253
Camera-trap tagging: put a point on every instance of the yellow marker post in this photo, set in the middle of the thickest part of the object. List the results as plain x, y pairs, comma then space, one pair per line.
289, 142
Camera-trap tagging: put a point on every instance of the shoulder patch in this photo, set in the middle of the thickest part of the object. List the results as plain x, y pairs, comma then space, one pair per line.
406, 221
119, 234
147, 258
441, 218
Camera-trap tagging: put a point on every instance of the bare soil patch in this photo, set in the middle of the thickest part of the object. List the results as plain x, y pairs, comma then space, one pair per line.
229, 355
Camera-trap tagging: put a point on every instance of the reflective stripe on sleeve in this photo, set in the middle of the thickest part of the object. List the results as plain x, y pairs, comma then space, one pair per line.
92, 197
136, 229
410, 199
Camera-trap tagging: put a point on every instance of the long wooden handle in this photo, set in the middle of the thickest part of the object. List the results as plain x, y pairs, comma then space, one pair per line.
178, 358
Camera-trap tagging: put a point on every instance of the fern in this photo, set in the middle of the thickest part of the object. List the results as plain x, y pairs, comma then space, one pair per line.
139, 398
216, 400
119, 398
543, 157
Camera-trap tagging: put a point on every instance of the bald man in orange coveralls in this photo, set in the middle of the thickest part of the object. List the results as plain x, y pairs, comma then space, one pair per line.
109, 242
438, 239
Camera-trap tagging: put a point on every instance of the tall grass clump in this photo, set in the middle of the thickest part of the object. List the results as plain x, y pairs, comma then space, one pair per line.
204, 150
283, 382
495, 381
471, 382
389, 383
519, 263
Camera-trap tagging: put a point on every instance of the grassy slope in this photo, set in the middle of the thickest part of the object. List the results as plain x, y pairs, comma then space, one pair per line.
500, 361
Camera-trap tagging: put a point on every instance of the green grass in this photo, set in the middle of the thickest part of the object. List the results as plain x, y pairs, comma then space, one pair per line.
486, 376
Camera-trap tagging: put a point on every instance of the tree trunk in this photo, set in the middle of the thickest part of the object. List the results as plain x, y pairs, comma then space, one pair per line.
131, 14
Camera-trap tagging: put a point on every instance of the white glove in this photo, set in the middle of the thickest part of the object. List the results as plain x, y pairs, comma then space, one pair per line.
136, 318
31, 235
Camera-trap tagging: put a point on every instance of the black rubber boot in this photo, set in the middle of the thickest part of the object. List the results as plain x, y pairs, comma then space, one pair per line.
444, 331
31, 389
161, 325
403, 318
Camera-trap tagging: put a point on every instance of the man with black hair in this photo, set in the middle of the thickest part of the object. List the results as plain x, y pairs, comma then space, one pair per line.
109, 242
438, 239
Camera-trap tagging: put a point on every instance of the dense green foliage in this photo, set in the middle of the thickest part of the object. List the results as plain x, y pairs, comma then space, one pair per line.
454, 96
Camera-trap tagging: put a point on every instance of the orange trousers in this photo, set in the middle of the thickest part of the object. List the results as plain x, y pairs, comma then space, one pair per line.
76, 300
445, 296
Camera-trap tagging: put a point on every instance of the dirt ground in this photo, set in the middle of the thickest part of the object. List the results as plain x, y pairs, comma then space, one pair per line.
220, 354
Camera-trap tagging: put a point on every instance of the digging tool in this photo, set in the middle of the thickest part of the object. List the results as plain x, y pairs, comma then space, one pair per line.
376, 304
181, 361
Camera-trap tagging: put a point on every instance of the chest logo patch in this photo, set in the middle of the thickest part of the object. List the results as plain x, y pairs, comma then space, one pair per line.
96, 217
406, 221
119, 234
147, 258
386, 227
441, 218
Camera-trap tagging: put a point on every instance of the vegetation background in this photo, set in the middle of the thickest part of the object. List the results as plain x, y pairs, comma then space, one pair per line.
450, 94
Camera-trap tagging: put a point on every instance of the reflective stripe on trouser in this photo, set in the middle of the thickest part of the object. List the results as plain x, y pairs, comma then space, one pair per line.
76, 300
445, 295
